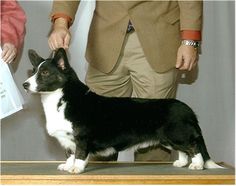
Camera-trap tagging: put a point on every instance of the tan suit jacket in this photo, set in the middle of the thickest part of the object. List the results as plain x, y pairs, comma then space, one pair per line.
157, 23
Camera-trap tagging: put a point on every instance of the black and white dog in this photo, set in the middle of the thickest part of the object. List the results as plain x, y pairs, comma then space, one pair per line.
86, 123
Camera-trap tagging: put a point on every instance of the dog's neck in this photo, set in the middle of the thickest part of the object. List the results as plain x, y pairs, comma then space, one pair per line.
54, 109
51, 104
51, 99
74, 84
75, 88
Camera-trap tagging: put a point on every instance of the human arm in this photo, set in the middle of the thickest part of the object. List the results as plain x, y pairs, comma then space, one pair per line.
9, 52
191, 25
13, 21
62, 17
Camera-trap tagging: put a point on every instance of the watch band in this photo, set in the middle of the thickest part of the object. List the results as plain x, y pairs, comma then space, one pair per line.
193, 43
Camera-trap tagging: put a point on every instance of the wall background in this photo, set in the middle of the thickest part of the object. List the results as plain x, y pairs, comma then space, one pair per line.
209, 90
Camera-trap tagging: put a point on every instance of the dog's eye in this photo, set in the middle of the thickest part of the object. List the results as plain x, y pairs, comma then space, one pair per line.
45, 73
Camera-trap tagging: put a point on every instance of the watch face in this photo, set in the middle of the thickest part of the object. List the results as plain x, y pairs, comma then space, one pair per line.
195, 44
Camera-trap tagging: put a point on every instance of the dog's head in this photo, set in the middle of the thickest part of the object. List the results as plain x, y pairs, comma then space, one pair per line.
48, 74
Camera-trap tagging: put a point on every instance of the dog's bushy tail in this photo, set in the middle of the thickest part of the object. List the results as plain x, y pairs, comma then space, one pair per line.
209, 164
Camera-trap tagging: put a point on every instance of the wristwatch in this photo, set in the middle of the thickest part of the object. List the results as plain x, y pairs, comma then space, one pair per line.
193, 43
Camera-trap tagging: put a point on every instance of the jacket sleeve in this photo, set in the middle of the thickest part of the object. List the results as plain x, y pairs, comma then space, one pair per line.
13, 21
66, 9
191, 15
191, 19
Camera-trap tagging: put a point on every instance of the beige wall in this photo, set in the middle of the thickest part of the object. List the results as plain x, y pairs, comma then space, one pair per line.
211, 93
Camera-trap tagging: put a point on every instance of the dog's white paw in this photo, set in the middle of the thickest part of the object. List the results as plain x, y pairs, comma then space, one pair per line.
182, 160
75, 170
61, 167
196, 166
69, 163
78, 166
179, 163
64, 167
197, 162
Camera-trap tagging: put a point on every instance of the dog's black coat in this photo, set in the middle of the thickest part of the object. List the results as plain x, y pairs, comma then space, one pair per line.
102, 122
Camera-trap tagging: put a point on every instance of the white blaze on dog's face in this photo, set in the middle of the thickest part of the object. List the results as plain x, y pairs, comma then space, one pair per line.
32, 81
48, 74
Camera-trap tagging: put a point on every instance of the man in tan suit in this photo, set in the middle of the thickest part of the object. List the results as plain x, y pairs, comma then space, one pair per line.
135, 48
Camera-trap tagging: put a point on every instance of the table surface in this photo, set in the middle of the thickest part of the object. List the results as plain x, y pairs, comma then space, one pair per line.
113, 172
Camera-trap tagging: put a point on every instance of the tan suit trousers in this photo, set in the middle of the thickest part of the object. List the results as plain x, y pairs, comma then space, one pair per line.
133, 76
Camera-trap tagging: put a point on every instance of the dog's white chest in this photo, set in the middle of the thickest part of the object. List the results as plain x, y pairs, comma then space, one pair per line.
56, 123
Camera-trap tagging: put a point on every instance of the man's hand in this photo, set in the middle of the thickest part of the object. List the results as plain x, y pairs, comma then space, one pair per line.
187, 58
60, 36
9, 52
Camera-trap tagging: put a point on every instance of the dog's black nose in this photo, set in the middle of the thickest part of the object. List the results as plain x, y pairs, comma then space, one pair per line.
26, 85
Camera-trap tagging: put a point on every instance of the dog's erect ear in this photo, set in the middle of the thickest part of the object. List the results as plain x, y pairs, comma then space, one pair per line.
35, 59
60, 59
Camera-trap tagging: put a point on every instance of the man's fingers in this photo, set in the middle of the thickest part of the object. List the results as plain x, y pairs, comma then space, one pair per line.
67, 41
187, 58
179, 61
50, 45
4, 52
9, 56
59, 38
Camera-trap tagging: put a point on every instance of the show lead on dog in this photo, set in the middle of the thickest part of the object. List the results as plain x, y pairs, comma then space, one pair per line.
135, 48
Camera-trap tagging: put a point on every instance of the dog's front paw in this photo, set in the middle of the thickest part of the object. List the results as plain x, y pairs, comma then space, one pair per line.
70, 168
69, 163
179, 163
75, 170
78, 166
196, 166
64, 167
61, 167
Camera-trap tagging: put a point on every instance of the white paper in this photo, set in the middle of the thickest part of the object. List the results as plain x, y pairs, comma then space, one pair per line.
11, 99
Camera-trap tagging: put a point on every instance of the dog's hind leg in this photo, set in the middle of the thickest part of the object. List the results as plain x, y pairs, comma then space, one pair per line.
182, 160
200, 154
197, 162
